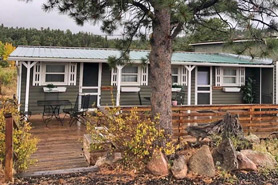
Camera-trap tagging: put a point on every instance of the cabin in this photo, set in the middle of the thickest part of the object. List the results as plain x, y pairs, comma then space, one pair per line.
65, 73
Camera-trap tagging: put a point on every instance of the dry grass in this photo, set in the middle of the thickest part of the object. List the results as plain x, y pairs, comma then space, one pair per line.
9, 90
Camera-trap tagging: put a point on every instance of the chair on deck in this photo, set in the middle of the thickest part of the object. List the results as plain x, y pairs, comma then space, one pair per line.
76, 114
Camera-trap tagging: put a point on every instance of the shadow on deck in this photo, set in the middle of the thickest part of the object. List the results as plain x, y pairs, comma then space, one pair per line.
59, 147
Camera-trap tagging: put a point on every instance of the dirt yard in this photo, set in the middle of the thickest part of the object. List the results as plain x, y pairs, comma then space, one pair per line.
106, 177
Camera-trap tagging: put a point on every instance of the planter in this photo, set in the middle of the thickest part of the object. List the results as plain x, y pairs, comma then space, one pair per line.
231, 89
174, 103
176, 89
54, 89
91, 156
130, 89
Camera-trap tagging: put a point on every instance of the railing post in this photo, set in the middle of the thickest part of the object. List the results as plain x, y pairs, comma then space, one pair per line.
180, 120
251, 110
9, 148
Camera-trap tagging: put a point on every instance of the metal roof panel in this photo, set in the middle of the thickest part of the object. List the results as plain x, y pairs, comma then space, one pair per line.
22, 52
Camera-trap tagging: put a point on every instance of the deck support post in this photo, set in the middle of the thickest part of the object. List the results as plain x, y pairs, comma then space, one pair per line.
28, 66
189, 69
9, 148
119, 79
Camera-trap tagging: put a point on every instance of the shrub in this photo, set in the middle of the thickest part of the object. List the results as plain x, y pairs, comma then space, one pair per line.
134, 134
24, 143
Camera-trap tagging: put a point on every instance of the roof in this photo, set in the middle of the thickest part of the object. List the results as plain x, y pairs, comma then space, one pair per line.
219, 42
56, 54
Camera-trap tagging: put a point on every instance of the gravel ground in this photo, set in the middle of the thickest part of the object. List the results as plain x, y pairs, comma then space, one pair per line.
127, 179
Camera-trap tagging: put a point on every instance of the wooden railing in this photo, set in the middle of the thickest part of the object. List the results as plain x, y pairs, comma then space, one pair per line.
256, 118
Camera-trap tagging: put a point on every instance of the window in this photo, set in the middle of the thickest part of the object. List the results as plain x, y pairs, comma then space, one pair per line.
175, 76
54, 74
179, 75
131, 75
229, 76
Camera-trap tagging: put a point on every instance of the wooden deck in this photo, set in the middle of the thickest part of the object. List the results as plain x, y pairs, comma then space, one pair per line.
59, 147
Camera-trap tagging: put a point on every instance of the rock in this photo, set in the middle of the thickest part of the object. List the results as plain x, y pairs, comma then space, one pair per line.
179, 168
186, 154
102, 161
158, 164
252, 138
117, 156
265, 160
108, 159
244, 163
225, 155
202, 162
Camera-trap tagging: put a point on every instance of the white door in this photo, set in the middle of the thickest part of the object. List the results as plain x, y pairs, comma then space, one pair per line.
203, 86
90, 74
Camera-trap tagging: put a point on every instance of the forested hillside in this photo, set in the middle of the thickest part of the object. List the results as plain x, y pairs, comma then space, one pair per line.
50, 37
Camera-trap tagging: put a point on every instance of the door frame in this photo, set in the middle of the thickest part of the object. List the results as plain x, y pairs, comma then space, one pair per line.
196, 85
81, 87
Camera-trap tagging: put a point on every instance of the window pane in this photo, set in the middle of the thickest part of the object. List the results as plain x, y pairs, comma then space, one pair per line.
54, 77
203, 98
129, 78
229, 80
174, 79
55, 68
230, 72
130, 69
203, 78
175, 70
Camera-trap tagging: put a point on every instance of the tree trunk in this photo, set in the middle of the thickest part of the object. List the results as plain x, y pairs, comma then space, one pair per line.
160, 72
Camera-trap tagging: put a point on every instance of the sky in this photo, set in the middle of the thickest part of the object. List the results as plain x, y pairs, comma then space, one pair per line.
15, 13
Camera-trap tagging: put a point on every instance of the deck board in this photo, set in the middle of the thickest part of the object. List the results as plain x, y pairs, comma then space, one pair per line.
59, 147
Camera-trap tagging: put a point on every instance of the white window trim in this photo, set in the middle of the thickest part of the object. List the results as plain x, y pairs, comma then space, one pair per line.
237, 84
178, 75
138, 78
182, 75
43, 74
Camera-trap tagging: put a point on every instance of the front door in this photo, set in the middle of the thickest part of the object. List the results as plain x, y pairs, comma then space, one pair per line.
203, 85
89, 89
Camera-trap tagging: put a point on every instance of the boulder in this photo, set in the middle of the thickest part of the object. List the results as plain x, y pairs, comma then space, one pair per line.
158, 165
252, 138
179, 168
244, 163
108, 159
186, 154
202, 162
225, 155
265, 160
102, 161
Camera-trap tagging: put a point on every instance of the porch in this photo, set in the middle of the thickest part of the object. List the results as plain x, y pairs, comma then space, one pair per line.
59, 147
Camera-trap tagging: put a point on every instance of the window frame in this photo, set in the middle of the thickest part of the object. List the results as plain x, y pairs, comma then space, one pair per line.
44, 73
139, 71
178, 75
237, 76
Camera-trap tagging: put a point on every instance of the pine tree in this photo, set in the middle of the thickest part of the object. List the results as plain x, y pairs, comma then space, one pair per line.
165, 19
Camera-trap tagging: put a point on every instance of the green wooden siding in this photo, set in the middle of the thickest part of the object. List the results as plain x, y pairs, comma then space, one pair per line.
218, 96
36, 92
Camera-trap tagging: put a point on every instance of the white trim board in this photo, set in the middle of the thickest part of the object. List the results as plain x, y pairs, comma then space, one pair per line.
20, 59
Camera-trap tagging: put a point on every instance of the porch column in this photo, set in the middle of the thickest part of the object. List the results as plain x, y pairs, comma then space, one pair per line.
28, 65
276, 84
119, 79
189, 69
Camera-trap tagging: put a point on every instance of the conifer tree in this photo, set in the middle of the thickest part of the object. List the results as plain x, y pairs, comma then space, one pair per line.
163, 20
